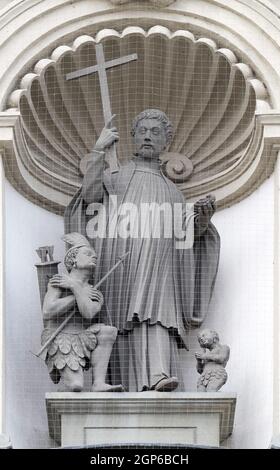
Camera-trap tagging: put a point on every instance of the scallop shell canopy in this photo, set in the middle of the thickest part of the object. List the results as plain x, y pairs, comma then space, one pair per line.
209, 96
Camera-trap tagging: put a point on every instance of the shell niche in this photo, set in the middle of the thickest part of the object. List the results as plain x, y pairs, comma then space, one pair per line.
209, 96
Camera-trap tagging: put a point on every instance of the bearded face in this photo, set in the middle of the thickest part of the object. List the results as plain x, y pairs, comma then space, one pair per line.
150, 138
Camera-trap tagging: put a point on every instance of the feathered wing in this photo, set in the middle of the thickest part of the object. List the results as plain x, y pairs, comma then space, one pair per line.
75, 239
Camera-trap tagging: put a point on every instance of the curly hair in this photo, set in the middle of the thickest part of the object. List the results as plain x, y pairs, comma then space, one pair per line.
212, 332
70, 258
154, 114
215, 335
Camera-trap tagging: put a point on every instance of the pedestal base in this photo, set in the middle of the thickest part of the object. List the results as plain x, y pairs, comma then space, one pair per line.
81, 419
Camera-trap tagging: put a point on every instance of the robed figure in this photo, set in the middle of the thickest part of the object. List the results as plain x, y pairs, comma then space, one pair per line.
162, 290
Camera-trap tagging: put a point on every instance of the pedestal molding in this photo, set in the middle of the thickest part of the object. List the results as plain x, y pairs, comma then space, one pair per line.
59, 404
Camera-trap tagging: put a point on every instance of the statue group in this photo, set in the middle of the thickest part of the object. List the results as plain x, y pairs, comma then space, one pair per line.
131, 329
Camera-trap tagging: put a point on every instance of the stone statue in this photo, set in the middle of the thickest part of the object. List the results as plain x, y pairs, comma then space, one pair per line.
211, 364
82, 343
162, 290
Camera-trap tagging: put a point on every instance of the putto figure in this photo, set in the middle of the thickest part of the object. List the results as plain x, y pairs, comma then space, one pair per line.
161, 290
82, 343
211, 362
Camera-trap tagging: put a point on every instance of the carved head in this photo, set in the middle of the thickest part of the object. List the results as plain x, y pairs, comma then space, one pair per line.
81, 255
152, 132
207, 338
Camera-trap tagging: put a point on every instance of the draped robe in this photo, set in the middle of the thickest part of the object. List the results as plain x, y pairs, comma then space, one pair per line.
157, 284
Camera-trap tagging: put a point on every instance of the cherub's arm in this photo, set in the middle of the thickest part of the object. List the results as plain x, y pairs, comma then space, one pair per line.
55, 306
199, 365
219, 355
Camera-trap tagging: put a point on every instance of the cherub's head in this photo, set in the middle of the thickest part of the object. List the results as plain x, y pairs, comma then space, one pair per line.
207, 338
152, 132
81, 255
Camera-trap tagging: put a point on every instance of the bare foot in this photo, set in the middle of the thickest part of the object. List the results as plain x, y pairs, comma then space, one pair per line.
107, 388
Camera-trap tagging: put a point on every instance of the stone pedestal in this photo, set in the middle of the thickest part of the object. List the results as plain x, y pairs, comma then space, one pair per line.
5, 442
78, 419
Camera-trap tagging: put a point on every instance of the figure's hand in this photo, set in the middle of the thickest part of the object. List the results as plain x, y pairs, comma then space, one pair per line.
204, 210
95, 295
200, 356
108, 136
205, 356
63, 281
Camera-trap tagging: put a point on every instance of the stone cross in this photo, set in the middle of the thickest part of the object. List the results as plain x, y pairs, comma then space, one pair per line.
101, 68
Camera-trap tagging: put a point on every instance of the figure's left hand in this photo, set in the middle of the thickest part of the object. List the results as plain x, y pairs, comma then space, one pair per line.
205, 209
200, 356
95, 295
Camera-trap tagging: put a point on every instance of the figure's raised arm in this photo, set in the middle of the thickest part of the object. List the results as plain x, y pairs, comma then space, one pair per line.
108, 136
92, 189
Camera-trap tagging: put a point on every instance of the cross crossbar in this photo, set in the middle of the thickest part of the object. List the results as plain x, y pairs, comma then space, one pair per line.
101, 68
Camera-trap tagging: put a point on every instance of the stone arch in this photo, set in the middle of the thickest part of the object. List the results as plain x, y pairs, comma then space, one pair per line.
231, 162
